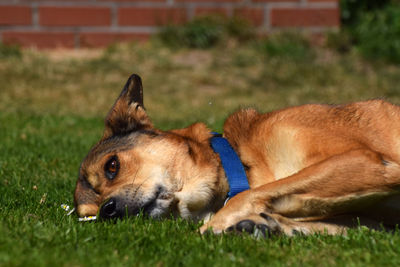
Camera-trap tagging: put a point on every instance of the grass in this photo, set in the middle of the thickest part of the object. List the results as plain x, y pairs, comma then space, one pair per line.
51, 109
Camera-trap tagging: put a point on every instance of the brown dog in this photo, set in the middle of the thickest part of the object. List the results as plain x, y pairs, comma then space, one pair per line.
310, 168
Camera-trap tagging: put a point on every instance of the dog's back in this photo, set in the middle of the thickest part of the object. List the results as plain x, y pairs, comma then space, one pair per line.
283, 142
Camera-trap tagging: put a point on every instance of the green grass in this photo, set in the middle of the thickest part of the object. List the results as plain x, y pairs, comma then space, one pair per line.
51, 109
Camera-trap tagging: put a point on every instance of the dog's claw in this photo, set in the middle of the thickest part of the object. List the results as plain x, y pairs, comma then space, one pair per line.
230, 229
263, 229
272, 224
245, 226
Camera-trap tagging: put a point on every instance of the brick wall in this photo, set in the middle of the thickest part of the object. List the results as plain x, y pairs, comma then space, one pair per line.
89, 23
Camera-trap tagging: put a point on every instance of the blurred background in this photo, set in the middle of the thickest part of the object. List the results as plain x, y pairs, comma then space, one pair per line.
93, 23
199, 60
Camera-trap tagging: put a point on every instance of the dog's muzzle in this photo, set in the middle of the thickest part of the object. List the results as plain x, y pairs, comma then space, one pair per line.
119, 207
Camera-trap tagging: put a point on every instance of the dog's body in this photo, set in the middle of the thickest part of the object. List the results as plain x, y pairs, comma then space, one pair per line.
310, 168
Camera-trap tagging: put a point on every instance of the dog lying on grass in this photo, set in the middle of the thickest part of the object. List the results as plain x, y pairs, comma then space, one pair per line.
311, 168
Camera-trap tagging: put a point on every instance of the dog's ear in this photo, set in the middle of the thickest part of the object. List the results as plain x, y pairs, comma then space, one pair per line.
128, 113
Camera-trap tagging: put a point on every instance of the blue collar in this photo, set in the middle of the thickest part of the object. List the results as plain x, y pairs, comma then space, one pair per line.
232, 165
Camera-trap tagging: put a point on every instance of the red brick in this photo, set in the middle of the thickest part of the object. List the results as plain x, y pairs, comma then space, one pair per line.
209, 1
15, 15
40, 39
92, 39
74, 16
322, 1
275, 1
306, 17
44, 1
202, 11
254, 15
147, 16
133, 1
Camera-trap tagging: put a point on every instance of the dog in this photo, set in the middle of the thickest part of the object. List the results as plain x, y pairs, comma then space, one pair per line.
310, 169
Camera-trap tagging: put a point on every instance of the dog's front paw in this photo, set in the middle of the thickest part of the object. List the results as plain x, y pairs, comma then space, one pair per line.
265, 226
261, 225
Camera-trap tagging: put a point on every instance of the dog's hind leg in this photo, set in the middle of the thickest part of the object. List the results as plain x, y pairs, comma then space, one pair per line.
348, 183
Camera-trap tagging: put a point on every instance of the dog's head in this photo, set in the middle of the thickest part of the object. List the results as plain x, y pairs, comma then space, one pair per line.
135, 167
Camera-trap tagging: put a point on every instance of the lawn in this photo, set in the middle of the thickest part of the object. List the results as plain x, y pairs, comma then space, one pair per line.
52, 105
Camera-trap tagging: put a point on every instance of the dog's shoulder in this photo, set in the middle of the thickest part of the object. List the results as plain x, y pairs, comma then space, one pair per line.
239, 125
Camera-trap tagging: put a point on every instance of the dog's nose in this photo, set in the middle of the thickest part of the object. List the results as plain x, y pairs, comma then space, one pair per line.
109, 209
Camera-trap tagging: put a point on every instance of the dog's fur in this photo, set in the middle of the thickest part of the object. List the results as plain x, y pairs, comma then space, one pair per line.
311, 168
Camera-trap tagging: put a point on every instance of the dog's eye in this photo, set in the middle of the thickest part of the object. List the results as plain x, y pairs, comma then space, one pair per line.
112, 167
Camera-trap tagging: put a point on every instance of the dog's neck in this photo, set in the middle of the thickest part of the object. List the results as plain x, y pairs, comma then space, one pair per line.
205, 192
237, 130
207, 186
